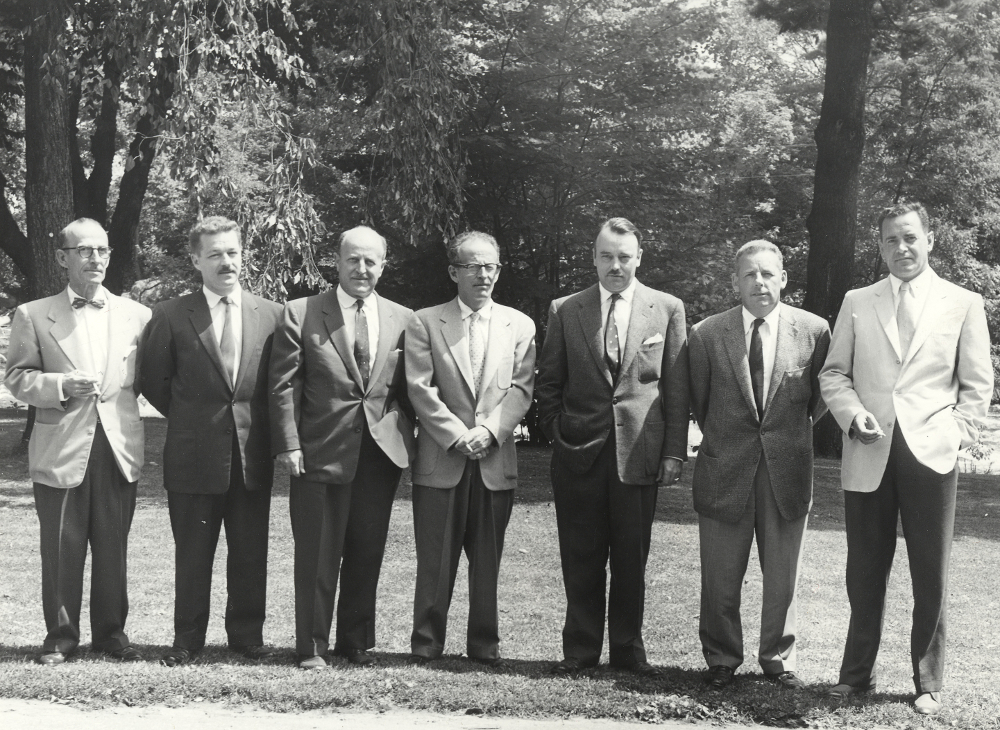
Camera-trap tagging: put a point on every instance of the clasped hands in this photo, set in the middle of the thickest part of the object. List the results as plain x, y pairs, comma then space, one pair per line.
476, 443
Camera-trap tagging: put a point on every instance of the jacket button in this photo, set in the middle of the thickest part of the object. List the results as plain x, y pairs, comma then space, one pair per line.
357, 430
229, 430
614, 401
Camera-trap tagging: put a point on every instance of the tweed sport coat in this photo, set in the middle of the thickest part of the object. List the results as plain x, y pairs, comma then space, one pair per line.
938, 394
734, 437
579, 402
183, 377
45, 342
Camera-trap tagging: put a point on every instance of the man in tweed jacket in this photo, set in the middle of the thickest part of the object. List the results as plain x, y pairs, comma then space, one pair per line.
755, 394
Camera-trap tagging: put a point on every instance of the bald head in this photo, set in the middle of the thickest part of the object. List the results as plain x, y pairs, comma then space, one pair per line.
360, 260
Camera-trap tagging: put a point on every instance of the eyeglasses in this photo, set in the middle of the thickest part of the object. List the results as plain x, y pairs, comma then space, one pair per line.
490, 269
87, 252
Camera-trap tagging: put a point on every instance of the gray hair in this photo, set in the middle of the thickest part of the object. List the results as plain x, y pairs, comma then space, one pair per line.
456, 244
345, 234
71, 228
621, 226
758, 246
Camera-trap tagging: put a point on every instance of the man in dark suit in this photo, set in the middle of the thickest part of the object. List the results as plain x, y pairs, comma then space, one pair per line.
73, 357
911, 355
470, 366
342, 428
613, 400
204, 366
755, 393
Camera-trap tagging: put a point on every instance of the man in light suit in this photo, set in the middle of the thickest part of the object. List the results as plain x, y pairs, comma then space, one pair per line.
909, 380
755, 393
343, 428
73, 357
613, 400
470, 370
205, 361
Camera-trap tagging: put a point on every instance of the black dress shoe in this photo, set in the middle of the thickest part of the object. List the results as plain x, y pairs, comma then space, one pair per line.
125, 654
569, 666
417, 660
719, 677
310, 662
491, 662
51, 658
357, 657
788, 680
643, 669
256, 653
176, 656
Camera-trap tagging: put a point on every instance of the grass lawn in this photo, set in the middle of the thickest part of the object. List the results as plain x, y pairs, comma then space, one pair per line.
532, 605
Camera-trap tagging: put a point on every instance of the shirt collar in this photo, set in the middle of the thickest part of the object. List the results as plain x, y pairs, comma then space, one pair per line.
346, 301
771, 319
235, 296
101, 295
626, 293
484, 312
917, 283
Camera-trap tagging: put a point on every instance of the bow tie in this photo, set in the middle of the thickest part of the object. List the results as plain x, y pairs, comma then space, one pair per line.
79, 302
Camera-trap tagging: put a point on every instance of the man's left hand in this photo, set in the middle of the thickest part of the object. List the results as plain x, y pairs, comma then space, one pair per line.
476, 442
670, 471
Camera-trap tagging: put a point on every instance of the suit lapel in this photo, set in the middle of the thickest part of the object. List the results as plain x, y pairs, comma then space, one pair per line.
497, 343
933, 308
637, 323
388, 333
886, 311
333, 318
590, 322
64, 330
201, 320
785, 340
118, 318
458, 343
251, 322
736, 348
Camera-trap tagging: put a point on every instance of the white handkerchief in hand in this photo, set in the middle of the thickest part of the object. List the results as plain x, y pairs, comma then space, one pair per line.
654, 339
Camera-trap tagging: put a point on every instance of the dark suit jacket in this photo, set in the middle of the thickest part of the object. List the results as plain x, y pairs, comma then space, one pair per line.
183, 377
318, 403
734, 437
579, 402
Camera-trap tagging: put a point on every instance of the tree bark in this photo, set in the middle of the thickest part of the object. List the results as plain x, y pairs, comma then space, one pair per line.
49, 174
840, 142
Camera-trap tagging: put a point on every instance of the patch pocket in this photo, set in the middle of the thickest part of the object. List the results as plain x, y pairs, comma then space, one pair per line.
505, 372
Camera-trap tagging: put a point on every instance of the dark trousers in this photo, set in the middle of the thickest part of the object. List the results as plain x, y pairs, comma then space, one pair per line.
925, 502
340, 532
445, 521
196, 520
598, 518
98, 511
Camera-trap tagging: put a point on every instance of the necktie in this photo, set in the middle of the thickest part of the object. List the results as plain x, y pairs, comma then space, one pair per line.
227, 344
79, 302
362, 351
757, 367
612, 347
906, 317
477, 349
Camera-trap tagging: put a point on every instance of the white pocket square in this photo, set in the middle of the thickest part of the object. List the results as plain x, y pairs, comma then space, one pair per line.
653, 340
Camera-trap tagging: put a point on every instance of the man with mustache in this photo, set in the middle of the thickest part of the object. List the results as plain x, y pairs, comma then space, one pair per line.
73, 357
613, 400
909, 380
344, 429
204, 366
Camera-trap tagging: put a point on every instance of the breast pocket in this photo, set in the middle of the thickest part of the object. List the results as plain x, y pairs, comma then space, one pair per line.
795, 384
128, 367
650, 361
505, 372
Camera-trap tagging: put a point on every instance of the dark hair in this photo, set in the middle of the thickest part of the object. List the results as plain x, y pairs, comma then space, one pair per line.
456, 244
898, 209
623, 227
209, 226
71, 228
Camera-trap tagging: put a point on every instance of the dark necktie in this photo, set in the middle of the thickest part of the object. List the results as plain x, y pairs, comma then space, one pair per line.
362, 352
227, 344
612, 347
757, 367
79, 302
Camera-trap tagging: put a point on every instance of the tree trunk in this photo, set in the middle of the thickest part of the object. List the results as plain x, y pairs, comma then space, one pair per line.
840, 142
49, 174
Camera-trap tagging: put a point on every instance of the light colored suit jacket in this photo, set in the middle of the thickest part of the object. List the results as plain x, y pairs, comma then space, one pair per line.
440, 385
938, 394
579, 402
44, 342
734, 437
183, 377
318, 401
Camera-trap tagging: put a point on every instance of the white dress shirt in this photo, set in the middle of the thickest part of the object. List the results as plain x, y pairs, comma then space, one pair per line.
349, 305
218, 311
768, 341
623, 312
920, 287
95, 325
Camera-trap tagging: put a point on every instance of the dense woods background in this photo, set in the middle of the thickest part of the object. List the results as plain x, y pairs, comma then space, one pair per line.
707, 122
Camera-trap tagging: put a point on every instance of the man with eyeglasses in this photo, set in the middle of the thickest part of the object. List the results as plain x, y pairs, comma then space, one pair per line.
470, 372
73, 357
204, 366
